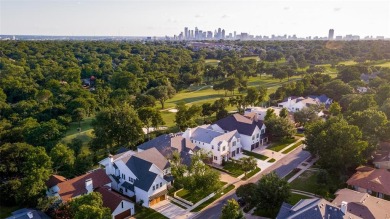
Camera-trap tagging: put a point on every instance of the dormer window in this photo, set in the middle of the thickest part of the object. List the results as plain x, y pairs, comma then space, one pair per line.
234, 143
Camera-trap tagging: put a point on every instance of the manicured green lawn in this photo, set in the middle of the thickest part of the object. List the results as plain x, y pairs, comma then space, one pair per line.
215, 197
349, 62
85, 125
292, 173
278, 146
251, 173
147, 213
169, 118
307, 181
271, 161
195, 196
292, 147
384, 65
233, 168
6, 211
267, 213
255, 155
295, 198
251, 57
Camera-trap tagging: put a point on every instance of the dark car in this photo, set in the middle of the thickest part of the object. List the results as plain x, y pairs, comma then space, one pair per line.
241, 202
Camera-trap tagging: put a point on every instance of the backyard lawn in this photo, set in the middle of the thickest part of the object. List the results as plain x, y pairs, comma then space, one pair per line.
295, 198
307, 181
193, 196
280, 145
255, 155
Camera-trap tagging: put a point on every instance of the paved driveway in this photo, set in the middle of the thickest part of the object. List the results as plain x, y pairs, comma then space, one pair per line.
168, 209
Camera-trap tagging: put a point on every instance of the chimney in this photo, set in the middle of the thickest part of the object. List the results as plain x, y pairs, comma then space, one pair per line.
189, 132
343, 206
89, 185
289, 101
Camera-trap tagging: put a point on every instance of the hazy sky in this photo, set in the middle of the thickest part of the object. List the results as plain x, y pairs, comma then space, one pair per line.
161, 17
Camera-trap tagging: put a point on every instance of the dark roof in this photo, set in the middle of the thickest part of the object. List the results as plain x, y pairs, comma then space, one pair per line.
28, 213
128, 186
168, 143
140, 168
140, 164
240, 123
168, 178
310, 209
110, 198
121, 150
54, 180
76, 186
322, 98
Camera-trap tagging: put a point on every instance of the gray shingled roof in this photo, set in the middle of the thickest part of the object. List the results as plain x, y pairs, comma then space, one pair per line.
204, 135
314, 208
240, 123
140, 164
167, 144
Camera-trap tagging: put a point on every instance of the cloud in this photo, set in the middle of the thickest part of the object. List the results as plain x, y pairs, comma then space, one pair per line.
198, 15
286, 8
224, 16
336, 9
172, 20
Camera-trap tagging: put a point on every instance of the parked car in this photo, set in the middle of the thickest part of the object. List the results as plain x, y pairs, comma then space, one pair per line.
241, 202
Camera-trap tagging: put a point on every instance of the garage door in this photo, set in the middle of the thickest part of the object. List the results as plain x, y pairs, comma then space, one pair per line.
123, 215
157, 200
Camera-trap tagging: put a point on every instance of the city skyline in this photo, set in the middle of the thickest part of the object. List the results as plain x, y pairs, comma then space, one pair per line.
166, 18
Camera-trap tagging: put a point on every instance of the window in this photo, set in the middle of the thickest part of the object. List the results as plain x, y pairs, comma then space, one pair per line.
212, 147
160, 184
157, 186
253, 137
125, 190
257, 136
223, 148
234, 143
153, 188
218, 148
192, 141
262, 131
215, 158
203, 143
122, 204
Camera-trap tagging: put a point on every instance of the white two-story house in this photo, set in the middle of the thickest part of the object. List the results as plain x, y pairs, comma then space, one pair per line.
144, 175
250, 129
220, 145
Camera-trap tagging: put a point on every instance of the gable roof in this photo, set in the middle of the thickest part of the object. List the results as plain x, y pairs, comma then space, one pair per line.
54, 180
362, 205
376, 180
76, 186
140, 165
204, 134
240, 123
110, 198
168, 143
311, 209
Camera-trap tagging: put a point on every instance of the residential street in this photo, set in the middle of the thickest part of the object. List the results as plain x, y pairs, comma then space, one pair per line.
281, 167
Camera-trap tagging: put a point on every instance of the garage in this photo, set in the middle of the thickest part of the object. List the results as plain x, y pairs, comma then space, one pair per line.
123, 215
158, 197
157, 200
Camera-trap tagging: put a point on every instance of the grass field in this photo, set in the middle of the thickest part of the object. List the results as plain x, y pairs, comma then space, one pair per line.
215, 197
278, 146
349, 62
255, 155
193, 196
295, 198
234, 168
147, 213
384, 65
85, 125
